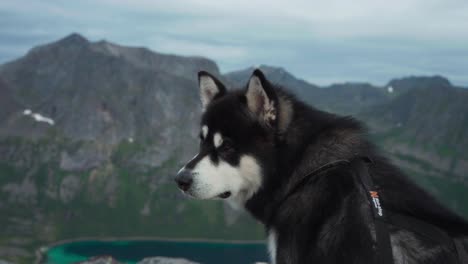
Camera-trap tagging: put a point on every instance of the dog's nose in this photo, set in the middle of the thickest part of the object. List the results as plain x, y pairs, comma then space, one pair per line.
184, 179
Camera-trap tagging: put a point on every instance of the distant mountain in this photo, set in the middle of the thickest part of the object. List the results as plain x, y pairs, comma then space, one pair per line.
427, 123
347, 98
91, 133
413, 82
276, 75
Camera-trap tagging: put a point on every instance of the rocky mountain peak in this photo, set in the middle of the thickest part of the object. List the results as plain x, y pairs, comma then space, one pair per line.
102, 91
276, 75
71, 41
273, 72
73, 38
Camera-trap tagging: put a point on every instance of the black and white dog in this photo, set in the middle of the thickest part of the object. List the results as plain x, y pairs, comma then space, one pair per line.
256, 145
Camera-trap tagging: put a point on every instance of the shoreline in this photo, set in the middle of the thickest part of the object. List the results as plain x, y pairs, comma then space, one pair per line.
40, 252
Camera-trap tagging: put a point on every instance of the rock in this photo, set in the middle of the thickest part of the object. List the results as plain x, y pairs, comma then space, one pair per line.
164, 260
69, 188
24, 192
100, 260
78, 162
146, 210
150, 260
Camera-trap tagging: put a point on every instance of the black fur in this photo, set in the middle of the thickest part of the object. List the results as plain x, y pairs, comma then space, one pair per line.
328, 220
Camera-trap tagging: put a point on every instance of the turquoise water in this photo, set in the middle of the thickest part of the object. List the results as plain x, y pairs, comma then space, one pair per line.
134, 251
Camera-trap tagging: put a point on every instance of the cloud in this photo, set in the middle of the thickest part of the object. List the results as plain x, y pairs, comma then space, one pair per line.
216, 51
332, 19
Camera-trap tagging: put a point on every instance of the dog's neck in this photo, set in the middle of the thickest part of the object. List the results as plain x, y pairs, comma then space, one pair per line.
318, 144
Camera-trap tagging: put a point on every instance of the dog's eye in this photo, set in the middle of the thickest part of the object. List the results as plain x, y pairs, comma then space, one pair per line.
227, 144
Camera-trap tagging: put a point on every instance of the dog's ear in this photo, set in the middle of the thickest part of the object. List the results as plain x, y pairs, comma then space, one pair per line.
210, 88
261, 98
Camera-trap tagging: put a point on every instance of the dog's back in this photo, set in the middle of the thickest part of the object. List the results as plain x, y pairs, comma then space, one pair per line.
329, 220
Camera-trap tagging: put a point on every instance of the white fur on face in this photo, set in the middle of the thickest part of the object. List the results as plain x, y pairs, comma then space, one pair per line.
217, 140
204, 131
211, 180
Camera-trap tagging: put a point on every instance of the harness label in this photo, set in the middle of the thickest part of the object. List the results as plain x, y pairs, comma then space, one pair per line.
375, 198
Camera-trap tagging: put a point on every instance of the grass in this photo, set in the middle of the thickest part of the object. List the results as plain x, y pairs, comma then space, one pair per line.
445, 188
446, 151
449, 192
8, 173
421, 163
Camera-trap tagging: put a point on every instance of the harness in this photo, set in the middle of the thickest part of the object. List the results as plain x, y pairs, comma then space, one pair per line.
383, 218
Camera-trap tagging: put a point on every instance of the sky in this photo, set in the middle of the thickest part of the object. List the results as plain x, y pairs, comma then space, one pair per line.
322, 42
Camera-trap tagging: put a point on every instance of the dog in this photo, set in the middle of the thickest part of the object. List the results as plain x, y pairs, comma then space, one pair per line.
258, 144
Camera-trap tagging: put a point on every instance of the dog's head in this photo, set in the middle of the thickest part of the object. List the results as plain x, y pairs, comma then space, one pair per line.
237, 140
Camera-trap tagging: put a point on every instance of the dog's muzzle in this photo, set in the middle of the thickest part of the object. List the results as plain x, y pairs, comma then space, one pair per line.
184, 179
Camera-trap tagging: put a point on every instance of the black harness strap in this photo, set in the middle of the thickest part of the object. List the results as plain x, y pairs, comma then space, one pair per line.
382, 219
384, 246
303, 182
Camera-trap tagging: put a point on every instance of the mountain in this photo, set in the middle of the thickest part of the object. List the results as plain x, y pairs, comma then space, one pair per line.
347, 98
91, 134
100, 94
90, 137
428, 123
276, 75
118, 92
402, 85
